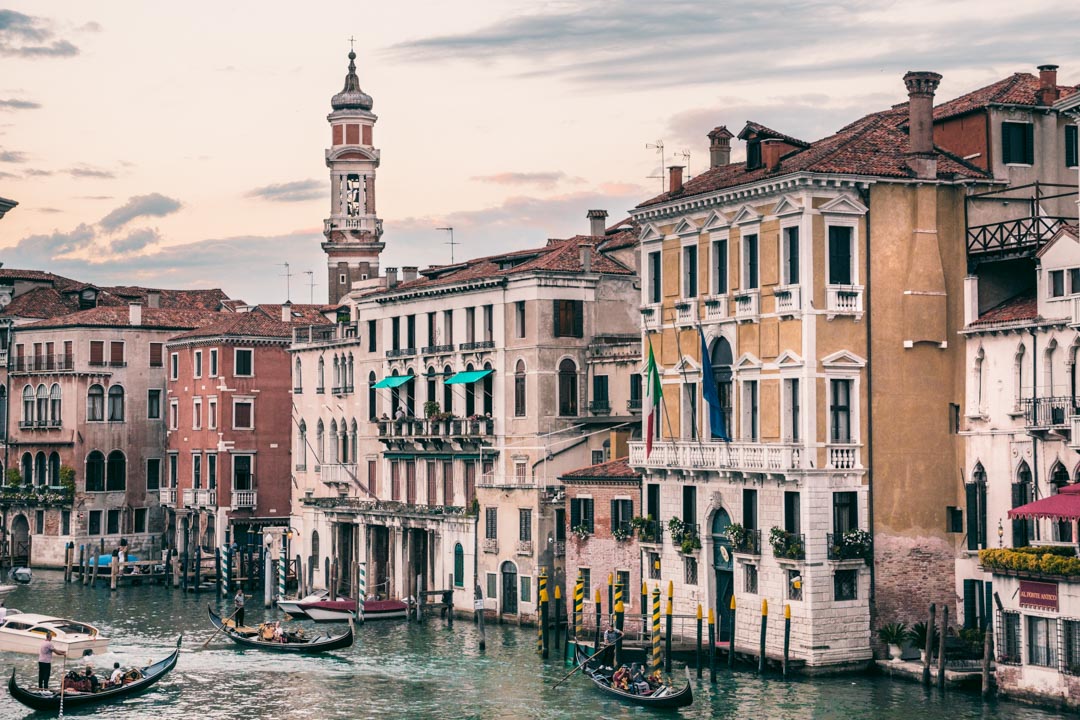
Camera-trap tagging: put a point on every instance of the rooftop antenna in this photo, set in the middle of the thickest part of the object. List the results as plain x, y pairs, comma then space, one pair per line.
685, 155
288, 275
451, 243
311, 284
658, 146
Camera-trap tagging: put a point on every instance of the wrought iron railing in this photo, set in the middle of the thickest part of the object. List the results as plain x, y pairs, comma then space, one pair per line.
1049, 412
481, 345
401, 352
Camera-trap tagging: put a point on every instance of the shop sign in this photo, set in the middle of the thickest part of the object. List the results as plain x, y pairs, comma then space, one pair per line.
1039, 595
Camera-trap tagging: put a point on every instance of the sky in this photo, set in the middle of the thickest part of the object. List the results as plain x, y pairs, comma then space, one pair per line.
182, 144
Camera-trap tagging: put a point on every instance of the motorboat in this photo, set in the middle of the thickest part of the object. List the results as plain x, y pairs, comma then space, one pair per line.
6, 590
344, 609
21, 575
292, 607
24, 632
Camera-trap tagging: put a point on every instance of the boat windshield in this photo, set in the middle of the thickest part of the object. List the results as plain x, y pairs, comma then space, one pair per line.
69, 627
15, 625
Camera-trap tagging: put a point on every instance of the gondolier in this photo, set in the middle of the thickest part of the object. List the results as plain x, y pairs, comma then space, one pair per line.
238, 603
45, 656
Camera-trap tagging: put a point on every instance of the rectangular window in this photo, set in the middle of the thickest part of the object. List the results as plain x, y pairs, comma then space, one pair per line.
65, 522
1057, 283
791, 410
211, 413
794, 584
372, 336
846, 585
94, 522
196, 414
560, 524
1071, 159
196, 471
448, 327
689, 504
116, 354
395, 333
198, 363
1017, 143
492, 585
526, 588
97, 352
243, 476
174, 414
569, 318
750, 262
153, 473
654, 565
525, 525
845, 512
491, 523
597, 457
750, 575
635, 392
690, 570
840, 239
174, 469
1074, 281
489, 323
581, 514
243, 414
690, 272
521, 472
470, 325
840, 411
39, 521
749, 509
1042, 641
140, 520
519, 318
622, 512
1071, 646
211, 471
1008, 641
213, 362
751, 414
656, 290
790, 248
410, 331
600, 394
792, 518
112, 522
244, 363
519, 392
157, 354
719, 267
153, 404
174, 366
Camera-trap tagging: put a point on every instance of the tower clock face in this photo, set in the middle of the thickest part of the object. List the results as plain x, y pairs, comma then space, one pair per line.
354, 195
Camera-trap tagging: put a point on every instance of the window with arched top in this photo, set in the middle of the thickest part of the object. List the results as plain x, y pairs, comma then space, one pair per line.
320, 376
337, 374
429, 386
301, 446
349, 374
459, 565
372, 397
40, 470
95, 403
976, 508
54, 404
568, 388
42, 412
27, 465
343, 442
1019, 380
977, 383
116, 403
1023, 492
519, 389
298, 376
95, 471
470, 394
54, 468
448, 391
28, 405
314, 548
332, 457
488, 391
116, 471
1059, 478
353, 441
720, 357
320, 443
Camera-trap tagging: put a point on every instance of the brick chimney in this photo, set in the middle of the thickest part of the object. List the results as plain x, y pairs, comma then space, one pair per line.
391, 277
135, 314
153, 299
586, 250
1048, 92
286, 312
597, 224
921, 86
675, 178
771, 150
720, 146
408, 272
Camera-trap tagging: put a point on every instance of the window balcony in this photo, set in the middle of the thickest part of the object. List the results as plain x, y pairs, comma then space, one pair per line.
750, 543
43, 364
491, 545
437, 349
1049, 413
651, 311
633, 405
325, 334
559, 548
342, 389
716, 307
686, 311
1074, 321
482, 345
460, 429
788, 546
298, 390
709, 455
206, 498
746, 305
788, 300
243, 498
844, 456
167, 496
853, 545
188, 497
843, 300
525, 548
600, 407
651, 533
338, 473
401, 353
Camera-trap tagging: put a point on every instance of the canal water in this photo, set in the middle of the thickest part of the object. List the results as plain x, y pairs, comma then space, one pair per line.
401, 670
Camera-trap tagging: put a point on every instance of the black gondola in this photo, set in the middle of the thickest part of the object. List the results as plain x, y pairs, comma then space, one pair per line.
50, 699
304, 647
671, 698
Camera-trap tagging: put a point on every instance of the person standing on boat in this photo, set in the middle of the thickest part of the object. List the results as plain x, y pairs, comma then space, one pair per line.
238, 603
45, 656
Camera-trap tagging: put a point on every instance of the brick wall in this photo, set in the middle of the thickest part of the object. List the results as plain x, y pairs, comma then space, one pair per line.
601, 553
909, 574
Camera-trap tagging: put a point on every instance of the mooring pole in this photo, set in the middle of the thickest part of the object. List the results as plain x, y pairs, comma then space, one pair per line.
558, 614
988, 654
930, 628
579, 606
620, 611
599, 620
941, 646
544, 618
611, 594
731, 637
787, 636
667, 637
221, 564
764, 627
697, 656
114, 572
478, 605
656, 659
712, 646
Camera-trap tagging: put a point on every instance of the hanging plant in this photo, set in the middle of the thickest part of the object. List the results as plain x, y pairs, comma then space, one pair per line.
621, 534
581, 531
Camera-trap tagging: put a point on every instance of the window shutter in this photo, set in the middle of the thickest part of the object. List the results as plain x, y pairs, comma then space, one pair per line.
1006, 143
575, 513
555, 313
579, 318
1071, 138
116, 353
97, 352
1029, 144
972, 491
155, 354
1019, 527
982, 514
614, 514
971, 598
839, 256
988, 603
589, 514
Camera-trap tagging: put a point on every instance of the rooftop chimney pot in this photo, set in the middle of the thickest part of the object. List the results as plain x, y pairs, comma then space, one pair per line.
153, 299
135, 313
597, 224
586, 249
921, 86
720, 146
391, 277
408, 272
1048, 92
771, 150
286, 312
675, 178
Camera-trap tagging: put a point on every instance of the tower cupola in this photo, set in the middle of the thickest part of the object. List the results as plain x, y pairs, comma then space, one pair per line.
351, 96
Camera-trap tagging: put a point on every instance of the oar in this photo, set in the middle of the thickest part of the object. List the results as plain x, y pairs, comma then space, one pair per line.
203, 647
591, 657
63, 677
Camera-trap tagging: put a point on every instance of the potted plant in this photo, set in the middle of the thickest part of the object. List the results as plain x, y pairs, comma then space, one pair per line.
621, 534
581, 532
894, 635
431, 409
677, 528
786, 545
918, 639
12, 478
689, 544
739, 537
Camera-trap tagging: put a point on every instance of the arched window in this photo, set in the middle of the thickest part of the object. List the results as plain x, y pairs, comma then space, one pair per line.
1023, 492
298, 377
353, 440
54, 403
320, 441
395, 399
1018, 374
372, 410
42, 414
28, 405
410, 394
301, 446
721, 360
568, 389
977, 383
1048, 370
27, 468
489, 392
95, 471
448, 391
95, 403
116, 471
459, 565
349, 375
314, 548
337, 375
320, 378
343, 440
116, 403
519, 389
976, 509
40, 471
332, 458
431, 391
54, 468
470, 395
1059, 478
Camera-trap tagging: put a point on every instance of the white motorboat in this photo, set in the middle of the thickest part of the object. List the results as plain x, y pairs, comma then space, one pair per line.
293, 606
23, 633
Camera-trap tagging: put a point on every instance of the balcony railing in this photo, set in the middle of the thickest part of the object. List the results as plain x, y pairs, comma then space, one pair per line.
188, 497
559, 548
437, 349
342, 389
491, 545
600, 407
843, 546
746, 305
454, 428
363, 223
651, 532
199, 497
401, 352
525, 547
243, 498
338, 473
716, 307
844, 456
789, 546
686, 311
633, 405
167, 496
325, 334
788, 300
482, 345
1012, 236
1049, 412
43, 363
843, 300
750, 545
692, 454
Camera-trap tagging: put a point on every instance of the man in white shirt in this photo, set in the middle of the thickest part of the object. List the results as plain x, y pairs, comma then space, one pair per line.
117, 674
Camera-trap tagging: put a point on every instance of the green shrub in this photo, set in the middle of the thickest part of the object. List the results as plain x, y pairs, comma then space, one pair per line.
1050, 562
896, 633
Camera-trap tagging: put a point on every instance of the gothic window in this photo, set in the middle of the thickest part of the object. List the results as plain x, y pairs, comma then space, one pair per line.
568, 390
977, 383
116, 403
976, 509
372, 398
28, 404
42, 404
95, 471
298, 379
519, 389
354, 195
333, 442
54, 403
320, 379
320, 442
116, 471
1023, 531
95, 403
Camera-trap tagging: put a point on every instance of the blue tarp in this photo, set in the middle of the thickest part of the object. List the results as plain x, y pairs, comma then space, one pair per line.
106, 560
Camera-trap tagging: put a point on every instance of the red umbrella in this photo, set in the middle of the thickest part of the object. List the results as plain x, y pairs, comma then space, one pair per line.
1063, 506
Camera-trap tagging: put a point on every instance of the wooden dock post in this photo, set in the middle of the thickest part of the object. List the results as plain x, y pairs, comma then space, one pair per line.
544, 618
620, 616
174, 567
420, 599
599, 620
731, 637
82, 555
656, 658
712, 646
541, 637
87, 572
478, 605
221, 561
988, 655
114, 572
697, 657
448, 601
667, 638
579, 605
69, 553
93, 577
930, 627
787, 636
611, 594
267, 577
941, 646
764, 628
558, 614
198, 568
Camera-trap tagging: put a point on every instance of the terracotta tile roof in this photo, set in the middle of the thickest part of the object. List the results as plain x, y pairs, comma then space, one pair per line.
119, 316
760, 131
210, 299
37, 275
301, 313
41, 302
262, 321
1017, 89
618, 469
1016, 309
872, 145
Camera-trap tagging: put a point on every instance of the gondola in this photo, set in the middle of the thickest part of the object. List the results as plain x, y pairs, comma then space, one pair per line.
671, 698
50, 699
303, 647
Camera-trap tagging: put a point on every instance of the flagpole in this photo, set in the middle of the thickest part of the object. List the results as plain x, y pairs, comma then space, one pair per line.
663, 404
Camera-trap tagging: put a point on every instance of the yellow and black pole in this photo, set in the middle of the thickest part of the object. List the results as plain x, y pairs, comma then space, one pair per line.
619, 610
611, 593
667, 637
579, 605
764, 627
644, 610
544, 623
599, 620
712, 646
697, 659
731, 637
787, 636
558, 614
656, 661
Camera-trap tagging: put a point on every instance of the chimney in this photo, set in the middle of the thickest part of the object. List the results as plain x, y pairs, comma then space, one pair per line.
597, 226
153, 299
286, 312
720, 147
1048, 92
586, 249
391, 277
408, 272
921, 86
771, 150
135, 313
675, 178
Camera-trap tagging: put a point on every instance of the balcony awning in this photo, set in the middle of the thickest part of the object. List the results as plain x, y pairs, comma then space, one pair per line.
1063, 506
393, 381
467, 378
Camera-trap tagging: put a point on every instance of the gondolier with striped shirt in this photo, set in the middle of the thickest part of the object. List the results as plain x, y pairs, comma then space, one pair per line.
45, 656
238, 603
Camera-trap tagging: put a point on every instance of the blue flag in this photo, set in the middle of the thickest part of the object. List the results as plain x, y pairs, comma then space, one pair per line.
717, 429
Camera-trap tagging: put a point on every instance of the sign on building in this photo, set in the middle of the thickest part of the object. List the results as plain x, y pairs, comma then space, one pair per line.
1039, 595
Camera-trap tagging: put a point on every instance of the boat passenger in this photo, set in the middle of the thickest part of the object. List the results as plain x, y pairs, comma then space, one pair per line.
90, 677
266, 631
279, 636
640, 684
117, 674
619, 678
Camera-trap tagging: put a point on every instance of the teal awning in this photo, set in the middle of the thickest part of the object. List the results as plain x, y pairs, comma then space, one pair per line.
467, 378
393, 381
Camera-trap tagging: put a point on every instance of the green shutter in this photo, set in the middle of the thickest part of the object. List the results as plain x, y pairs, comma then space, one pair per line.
1006, 143
988, 603
972, 509
555, 312
575, 513
579, 318
970, 603
1029, 144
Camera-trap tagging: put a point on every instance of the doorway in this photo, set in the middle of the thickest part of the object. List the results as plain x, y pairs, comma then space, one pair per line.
722, 568
20, 540
509, 588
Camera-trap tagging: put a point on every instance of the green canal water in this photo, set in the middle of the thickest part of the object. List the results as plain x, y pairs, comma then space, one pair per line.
400, 670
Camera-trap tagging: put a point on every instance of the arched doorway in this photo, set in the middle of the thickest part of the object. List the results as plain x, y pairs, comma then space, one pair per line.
509, 588
721, 360
722, 569
20, 539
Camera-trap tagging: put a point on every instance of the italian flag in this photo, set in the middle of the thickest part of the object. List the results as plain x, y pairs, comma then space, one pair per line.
654, 393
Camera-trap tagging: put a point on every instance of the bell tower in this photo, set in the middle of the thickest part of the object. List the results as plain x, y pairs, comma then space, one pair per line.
352, 231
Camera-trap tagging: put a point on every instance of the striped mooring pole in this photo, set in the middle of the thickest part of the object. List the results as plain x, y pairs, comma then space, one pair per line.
282, 560
579, 605
361, 590
223, 582
656, 660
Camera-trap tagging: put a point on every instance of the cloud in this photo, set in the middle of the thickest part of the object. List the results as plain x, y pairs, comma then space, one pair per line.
12, 156
7, 174
31, 37
136, 240
36, 172
85, 171
295, 191
13, 104
47, 210
152, 205
546, 180
95, 197
54, 246
91, 26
